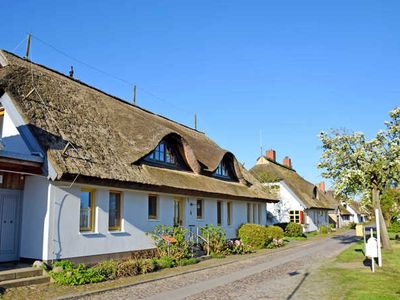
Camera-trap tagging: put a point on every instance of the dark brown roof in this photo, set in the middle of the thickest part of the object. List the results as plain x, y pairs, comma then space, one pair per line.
110, 136
270, 171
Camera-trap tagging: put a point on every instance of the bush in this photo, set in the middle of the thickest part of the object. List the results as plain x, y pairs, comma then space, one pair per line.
75, 275
177, 250
187, 261
294, 230
216, 236
394, 227
107, 268
145, 265
324, 229
254, 235
352, 225
127, 268
164, 262
275, 232
237, 247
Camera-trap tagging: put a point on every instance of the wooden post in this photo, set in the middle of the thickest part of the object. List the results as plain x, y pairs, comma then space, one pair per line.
378, 237
28, 46
134, 94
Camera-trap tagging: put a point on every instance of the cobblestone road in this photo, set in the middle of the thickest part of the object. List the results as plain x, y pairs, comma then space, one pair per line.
279, 275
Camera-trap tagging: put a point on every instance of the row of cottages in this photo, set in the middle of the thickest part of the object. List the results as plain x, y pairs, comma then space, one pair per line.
300, 201
84, 175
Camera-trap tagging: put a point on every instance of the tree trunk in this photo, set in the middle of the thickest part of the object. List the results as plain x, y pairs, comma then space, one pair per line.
384, 233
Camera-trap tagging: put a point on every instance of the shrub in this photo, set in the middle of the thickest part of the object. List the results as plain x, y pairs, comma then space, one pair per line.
145, 265
324, 229
254, 235
275, 232
216, 236
237, 247
107, 268
187, 261
177, 250
127, 268
294, 230
352, 225
394, 227
164, 262
75, 275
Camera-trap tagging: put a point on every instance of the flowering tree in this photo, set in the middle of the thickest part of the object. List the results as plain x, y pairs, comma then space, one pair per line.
357, 165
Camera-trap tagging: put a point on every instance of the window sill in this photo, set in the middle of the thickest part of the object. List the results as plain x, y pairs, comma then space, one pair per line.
91, 234
153, 220
118, 233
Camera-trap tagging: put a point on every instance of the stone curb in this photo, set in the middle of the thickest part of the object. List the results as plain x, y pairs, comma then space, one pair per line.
100, 291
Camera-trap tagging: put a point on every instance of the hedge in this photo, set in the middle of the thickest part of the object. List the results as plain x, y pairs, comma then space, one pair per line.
294, 230
259, 236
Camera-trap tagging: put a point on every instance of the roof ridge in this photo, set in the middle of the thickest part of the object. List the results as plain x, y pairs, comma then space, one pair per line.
101, 91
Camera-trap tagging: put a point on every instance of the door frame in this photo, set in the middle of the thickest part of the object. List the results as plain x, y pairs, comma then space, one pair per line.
181, 212
17, 234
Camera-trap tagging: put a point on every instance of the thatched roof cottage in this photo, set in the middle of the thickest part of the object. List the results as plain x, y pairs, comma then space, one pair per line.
300, 200
99, 172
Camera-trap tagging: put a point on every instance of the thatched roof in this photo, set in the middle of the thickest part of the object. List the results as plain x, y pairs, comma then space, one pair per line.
335, 202
308, 193
357, 207
109, 137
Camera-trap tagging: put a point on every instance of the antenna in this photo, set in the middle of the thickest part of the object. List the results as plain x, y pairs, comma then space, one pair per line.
195, 121
261, 150
71, 72
28, 46
134, 94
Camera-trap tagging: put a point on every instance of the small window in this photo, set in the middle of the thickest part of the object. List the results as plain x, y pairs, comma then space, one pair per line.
114, 211
229, 213
87, 210
223, 171
248, 213
260, 213
294, 216
219, 213
199, 209
153, 210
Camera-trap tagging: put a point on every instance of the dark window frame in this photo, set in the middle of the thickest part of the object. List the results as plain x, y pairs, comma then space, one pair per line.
152, 215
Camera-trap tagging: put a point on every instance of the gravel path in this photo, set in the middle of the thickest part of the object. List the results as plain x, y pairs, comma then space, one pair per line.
274, 276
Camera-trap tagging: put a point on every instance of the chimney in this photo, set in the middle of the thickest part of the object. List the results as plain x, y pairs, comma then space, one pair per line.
270, 155
322, 186
287, 162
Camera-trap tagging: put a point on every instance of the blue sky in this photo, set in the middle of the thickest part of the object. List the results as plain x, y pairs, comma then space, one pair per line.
286, 68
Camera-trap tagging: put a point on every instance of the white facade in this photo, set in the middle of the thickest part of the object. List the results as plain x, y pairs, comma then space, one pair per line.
50, 226
313, 218
355, 217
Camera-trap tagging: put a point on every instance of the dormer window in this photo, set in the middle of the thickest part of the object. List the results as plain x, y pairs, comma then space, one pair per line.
223, 171
163, 153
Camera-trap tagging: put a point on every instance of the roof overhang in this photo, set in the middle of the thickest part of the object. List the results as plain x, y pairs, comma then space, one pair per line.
18, 163
155, 188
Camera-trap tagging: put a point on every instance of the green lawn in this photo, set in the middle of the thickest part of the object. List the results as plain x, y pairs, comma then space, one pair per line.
349, 278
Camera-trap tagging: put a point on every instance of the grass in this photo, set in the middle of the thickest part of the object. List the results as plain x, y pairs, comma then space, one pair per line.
352, 273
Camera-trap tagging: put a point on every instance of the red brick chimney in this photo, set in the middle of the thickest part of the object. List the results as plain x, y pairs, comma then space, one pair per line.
271, 155
287, 162
322, 186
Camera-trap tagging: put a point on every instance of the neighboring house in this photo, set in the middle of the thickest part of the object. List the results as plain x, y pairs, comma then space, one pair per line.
85, 175
300, 201
340, 216
358, 212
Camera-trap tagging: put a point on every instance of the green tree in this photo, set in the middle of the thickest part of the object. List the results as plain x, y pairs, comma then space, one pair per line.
357, 165
390, 204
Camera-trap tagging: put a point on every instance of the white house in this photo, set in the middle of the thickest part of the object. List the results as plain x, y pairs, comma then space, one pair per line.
300, 201
84, 175
357, 212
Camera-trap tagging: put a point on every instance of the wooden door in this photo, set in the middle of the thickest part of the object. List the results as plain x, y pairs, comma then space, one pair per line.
9, 225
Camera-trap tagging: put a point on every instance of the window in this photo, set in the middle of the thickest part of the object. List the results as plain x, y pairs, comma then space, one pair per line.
259, 213
199, 208
223, 171
219, 213
248, 213
294, 216
255, 213
229, 213
153, 210
114, 211
346, 218
87, 210
164, 153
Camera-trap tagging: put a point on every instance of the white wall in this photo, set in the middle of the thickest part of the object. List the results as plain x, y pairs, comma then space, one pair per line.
66, 241
11, 137
34, 210
316, 218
